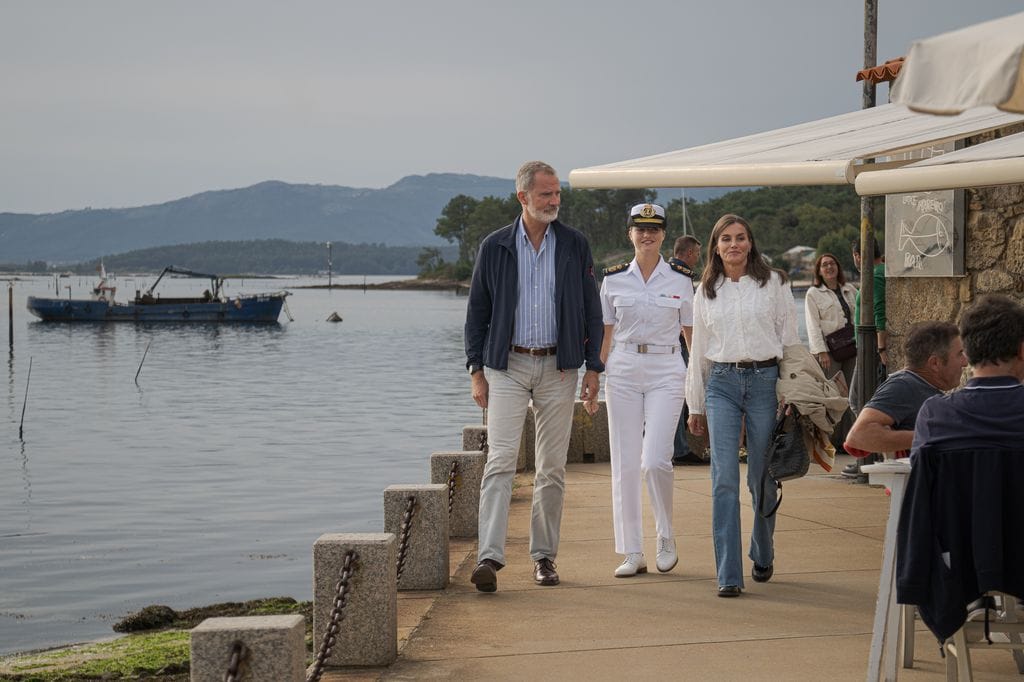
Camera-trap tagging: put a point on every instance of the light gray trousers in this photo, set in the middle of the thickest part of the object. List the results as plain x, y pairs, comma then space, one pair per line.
509, 394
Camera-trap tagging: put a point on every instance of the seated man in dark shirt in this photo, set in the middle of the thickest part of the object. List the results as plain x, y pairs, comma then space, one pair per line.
989, 411
935, 362
960, 522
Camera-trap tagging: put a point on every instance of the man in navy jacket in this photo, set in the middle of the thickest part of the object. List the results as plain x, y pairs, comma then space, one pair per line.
533, 319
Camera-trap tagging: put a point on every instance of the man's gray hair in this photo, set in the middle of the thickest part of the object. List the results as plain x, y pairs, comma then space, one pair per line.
528, 171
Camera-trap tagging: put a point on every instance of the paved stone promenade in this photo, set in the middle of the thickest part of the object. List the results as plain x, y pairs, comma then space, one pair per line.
811, 622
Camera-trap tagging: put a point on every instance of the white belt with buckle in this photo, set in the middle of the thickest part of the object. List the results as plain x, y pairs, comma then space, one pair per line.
647, 348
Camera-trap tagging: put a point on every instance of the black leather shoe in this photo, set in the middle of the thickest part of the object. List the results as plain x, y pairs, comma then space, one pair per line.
544, 572
485, 575
852, 470
762, 575
729, 591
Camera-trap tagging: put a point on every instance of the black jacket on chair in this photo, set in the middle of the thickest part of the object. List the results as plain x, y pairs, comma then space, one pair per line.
961, 532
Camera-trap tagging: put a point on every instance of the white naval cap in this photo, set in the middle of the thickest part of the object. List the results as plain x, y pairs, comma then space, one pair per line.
650, 215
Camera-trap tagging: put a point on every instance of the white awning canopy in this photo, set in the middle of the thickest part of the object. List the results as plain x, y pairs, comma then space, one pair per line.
973, 66
999, 162
830, 151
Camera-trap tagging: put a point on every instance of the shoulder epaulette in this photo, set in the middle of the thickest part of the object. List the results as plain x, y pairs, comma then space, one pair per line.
616, 269
682, 269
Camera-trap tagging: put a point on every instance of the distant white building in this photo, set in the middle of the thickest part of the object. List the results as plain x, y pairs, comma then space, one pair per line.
799, 259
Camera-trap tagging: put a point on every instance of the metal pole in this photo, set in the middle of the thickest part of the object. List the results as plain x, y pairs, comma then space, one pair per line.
867, 341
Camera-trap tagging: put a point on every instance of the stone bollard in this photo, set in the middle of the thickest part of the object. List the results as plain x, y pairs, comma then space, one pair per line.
474, 438
528, 445
463, 522
426, 562
587, 443
369, 632
589, 440
273, 648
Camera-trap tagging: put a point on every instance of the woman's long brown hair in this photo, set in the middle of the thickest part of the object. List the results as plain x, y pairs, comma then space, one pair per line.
757, 267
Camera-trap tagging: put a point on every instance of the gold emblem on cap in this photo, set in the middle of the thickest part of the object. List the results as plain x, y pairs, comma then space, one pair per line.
647, 211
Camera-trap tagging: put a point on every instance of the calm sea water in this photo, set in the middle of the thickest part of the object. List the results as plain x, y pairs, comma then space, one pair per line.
210, 480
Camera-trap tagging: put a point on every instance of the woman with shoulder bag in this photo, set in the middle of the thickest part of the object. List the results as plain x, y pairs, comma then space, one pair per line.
828, 313
743, 316
828, 310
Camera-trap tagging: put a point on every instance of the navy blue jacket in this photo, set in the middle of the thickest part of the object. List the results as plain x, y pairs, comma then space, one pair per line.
494, 292
959, 532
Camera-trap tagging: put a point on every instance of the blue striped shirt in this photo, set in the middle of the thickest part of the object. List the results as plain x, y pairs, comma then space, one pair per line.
535, 325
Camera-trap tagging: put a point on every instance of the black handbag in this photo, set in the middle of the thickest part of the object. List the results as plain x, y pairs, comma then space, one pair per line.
841, 343
787, 457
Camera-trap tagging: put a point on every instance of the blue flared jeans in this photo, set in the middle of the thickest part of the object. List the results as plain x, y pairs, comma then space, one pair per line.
735, 396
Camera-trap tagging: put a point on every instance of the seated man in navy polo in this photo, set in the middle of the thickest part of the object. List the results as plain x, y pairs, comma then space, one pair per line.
935, 362
961, 522
987, 412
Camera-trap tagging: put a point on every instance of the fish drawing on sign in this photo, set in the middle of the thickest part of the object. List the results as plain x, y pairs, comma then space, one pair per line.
929, 236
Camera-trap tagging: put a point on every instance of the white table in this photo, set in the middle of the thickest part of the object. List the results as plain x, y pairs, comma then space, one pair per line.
885, 633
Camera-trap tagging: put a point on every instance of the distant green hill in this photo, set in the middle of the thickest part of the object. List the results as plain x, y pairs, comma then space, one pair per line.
403, 214
268, 257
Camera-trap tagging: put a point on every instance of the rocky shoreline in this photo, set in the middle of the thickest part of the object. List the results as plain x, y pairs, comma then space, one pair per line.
155, 646
402, 284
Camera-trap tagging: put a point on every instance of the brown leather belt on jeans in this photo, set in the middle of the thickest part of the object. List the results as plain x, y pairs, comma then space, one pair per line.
754, 364
533, 351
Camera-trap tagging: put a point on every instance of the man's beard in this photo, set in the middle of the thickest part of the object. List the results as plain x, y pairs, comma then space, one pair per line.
543, 215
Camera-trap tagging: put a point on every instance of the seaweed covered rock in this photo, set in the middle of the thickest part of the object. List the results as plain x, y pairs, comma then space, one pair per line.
151, 617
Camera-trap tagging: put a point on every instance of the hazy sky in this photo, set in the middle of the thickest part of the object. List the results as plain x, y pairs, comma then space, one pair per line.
110, 104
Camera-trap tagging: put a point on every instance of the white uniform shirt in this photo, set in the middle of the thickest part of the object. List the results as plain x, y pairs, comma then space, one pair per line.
648, 312
744, 321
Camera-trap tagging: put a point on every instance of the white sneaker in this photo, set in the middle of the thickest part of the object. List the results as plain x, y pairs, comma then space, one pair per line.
667, 557
634, 563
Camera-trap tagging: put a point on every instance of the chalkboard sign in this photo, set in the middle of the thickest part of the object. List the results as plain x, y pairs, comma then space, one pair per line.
924, 231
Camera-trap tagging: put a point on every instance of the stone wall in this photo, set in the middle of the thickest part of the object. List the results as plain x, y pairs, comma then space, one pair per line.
994, 252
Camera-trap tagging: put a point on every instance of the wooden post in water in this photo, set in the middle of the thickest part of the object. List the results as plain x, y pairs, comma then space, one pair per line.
10, 313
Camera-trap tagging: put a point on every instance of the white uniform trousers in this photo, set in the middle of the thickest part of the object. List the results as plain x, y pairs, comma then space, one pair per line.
644, 394
527, 378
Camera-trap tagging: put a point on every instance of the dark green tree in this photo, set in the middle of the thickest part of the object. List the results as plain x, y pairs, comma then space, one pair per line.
454, 224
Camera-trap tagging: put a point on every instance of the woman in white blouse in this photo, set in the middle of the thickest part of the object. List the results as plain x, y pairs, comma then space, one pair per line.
744, 314
828, 307
646, 304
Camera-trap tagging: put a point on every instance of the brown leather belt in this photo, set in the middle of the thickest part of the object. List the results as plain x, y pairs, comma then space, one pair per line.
753, 364
533, 351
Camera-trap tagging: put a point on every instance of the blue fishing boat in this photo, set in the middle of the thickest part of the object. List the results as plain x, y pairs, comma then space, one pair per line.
212, 306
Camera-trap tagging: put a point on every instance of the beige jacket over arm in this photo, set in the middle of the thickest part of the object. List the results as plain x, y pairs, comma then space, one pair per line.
819, 401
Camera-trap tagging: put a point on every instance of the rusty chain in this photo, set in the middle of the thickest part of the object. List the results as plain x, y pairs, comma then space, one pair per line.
238, 655
341, 595
451, 485
403, 541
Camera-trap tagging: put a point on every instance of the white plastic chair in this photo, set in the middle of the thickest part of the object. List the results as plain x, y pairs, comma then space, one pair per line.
1005, 629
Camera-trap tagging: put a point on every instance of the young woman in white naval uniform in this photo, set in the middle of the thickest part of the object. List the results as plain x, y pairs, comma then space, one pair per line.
646, 304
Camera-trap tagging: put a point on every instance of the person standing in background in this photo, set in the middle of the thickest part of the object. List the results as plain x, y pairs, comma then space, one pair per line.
882, 336
533, 318
647, 305
828, 308
685, 257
